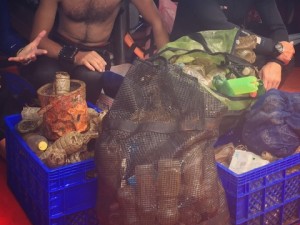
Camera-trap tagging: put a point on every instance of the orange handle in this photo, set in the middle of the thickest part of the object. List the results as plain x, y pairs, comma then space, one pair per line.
129, 42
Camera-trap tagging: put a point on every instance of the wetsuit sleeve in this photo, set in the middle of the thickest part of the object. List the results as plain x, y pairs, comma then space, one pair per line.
272, 20
196, 15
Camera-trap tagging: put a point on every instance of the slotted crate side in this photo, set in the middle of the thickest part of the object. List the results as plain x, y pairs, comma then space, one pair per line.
40, 214
267, 195
53, 179
84, 217
52, 193
241, 184
254, 207
285, 215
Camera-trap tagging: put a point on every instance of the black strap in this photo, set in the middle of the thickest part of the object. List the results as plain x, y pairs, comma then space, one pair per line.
158, 127
132, 47
199, 38
236, 64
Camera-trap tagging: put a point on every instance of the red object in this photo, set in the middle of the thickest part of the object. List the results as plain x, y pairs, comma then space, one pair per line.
291, 83
11, 212
253, 94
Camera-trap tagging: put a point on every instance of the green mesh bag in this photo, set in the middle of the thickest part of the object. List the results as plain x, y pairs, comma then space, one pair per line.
218, 54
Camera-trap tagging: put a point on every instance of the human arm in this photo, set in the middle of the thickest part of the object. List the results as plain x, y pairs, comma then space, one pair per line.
194, 15
30, 51
272, 20
281, 52
276, 29
44, 20
271, 72
150, 13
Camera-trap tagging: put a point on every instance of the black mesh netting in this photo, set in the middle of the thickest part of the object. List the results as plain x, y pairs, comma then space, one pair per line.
154, 159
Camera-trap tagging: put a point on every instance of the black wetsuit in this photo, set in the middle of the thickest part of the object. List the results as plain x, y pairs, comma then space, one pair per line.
43, 71
198, 15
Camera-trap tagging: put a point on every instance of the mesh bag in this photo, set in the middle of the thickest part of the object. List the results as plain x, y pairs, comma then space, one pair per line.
154, 159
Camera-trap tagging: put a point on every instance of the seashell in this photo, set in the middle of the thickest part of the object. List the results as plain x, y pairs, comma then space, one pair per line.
25, 126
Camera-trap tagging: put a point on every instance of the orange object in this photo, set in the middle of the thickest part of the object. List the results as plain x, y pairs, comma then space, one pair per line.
253, 94
65, 113
129, 42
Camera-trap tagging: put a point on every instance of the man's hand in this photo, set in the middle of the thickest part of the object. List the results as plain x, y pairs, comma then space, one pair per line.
92, 60
271, 75
288, 52
30, 51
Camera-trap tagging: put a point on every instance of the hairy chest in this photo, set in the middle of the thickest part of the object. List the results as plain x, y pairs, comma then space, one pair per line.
89, 11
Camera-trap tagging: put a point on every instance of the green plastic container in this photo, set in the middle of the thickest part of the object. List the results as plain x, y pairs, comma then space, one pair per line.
236, 87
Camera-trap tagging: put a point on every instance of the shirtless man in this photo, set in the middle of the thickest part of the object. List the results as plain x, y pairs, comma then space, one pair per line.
79, 42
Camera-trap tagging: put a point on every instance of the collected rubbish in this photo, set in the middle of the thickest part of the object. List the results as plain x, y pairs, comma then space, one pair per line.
244, 47
224, 153
70, 143
31, 120
240, 159
62, 83
167, 194
31, 113
244, 161
63, 106
79, 156
70, 148
159, 133
268, 156
237, 86
60, 131
25, 126
272, 124
36, 142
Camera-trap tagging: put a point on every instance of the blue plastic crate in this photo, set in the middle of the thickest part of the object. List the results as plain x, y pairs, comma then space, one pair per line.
266, 195
64, 195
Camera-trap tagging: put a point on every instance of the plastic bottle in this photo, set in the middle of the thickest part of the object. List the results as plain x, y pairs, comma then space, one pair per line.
36, 142
62, 83
236, 87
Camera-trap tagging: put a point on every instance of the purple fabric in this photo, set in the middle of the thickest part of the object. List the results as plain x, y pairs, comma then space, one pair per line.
273, 124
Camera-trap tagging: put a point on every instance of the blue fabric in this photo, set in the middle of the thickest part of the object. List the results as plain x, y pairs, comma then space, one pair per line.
10, 42
273, 124
111, 83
